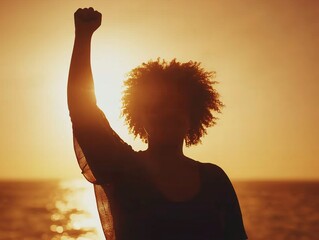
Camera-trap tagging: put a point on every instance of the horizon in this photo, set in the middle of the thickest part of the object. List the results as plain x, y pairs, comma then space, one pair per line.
232, 179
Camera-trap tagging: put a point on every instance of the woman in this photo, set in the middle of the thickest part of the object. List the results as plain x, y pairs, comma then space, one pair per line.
158, 193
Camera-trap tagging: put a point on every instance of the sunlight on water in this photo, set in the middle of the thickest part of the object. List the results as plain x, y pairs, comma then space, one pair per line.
75, 215
66, 210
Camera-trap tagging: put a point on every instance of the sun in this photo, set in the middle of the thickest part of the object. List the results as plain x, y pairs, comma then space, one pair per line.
108, 74
110, 67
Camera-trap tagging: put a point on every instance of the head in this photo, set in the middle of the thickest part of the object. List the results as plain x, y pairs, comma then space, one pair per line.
170, 101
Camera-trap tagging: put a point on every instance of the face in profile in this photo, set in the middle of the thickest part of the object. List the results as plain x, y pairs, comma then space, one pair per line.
165, 114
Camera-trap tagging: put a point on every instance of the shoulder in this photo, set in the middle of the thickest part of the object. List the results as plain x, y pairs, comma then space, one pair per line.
214, 171
217, 179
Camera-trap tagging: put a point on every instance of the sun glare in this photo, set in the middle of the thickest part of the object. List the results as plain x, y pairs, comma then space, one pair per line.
76, 211
108, 80
110, 68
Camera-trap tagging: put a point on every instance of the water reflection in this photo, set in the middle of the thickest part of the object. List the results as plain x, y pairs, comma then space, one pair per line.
74, 214
66, 210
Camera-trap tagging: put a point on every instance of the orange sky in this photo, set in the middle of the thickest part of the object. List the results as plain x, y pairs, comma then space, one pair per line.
265, 54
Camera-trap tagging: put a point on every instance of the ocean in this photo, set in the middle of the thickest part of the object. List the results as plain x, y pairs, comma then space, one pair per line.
66, 210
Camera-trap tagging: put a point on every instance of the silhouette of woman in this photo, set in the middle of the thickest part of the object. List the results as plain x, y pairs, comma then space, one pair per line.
158, 193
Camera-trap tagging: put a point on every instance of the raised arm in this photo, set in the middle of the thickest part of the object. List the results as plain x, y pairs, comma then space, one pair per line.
81, 97
101, 153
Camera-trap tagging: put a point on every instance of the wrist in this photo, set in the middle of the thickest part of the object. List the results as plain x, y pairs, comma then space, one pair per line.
83, 36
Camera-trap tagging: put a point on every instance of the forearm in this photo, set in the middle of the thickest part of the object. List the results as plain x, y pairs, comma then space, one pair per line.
81, 97
80, 81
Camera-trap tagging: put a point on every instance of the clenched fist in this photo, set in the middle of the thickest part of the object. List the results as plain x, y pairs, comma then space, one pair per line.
86, 21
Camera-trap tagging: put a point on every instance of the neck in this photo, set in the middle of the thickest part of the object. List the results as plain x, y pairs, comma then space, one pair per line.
165, 150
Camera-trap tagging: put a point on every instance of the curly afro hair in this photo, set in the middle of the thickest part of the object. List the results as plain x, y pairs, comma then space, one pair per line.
193, 82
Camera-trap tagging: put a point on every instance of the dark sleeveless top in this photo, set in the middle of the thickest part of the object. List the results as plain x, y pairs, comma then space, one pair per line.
130, 208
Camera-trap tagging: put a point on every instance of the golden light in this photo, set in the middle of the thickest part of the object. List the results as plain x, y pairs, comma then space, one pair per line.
108, 74
110, 66
76, 212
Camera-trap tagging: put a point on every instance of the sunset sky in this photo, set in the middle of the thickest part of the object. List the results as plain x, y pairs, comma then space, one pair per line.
265, 54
